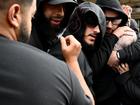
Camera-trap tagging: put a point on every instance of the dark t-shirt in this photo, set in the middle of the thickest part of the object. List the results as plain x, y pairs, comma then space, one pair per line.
29, 76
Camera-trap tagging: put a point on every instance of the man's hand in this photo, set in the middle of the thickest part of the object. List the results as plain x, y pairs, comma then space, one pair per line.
113, 60
126, 40
122, 68
120, 31
71, 48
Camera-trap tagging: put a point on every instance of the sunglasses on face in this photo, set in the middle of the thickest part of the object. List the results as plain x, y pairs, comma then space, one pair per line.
114, 20
91, 20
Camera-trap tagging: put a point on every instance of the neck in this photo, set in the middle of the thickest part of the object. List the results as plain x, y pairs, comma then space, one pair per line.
7, 33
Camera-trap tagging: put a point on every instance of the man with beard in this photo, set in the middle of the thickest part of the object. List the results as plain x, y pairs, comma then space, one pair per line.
87, 24
116, 21
50, 20
48, 26
29, 76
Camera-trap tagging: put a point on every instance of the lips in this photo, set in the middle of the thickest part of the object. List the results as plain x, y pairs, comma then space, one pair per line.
56, 21
93, 37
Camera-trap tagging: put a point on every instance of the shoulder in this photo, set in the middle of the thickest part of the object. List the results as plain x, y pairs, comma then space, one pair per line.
35, 74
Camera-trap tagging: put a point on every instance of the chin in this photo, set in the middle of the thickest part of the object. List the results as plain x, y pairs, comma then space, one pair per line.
90, 43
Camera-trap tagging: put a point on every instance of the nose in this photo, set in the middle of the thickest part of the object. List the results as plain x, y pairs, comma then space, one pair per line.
60, 10
97, 29
109, 24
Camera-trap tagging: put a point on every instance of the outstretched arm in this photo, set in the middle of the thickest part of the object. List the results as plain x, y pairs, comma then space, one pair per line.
71, 49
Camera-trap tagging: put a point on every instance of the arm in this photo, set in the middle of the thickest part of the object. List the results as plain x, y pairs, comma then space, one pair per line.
101, 56
71, 49
128, 84
130, 53
129, 50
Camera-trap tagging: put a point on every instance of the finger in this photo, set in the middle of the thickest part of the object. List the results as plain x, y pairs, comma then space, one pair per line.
73, 41
63, 42
126, 65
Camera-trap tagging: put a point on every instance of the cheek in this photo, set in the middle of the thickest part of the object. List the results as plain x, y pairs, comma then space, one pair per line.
29, 24
48, 13
114, 28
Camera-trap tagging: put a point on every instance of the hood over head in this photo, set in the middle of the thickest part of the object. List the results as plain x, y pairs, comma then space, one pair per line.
45, 32
115, 6
55, 2
76, 24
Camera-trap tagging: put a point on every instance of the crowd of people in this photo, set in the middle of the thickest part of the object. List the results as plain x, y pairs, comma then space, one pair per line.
68, 52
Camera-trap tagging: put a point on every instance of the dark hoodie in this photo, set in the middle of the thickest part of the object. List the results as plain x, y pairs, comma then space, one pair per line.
76, 25
115, 6
108, 94
97, 55
44, 37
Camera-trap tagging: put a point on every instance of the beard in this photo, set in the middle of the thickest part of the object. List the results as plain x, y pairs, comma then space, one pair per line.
23, 33
55, 26
87, 47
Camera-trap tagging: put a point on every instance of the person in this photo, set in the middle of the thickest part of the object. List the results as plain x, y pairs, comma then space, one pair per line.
30, 76
49, 22
87, 24
116, 24
128, 83
48, 26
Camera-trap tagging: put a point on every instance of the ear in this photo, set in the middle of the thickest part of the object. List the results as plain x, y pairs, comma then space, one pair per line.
14, 15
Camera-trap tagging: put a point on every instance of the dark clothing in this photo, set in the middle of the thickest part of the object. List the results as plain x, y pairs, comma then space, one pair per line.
83, 63
44, 38
78, 20
29, 76
43, 32
130, 53
97, 56
128, 82
127, 54
115, 6
56, 51
128, 85
103, 79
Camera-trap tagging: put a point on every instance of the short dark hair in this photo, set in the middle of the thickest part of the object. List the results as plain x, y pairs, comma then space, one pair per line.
6, 3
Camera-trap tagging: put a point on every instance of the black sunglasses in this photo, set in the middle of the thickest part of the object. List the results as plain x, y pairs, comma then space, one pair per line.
114, 20
90, 19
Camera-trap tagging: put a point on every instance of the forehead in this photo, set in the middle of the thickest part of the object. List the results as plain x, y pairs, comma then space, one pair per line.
32, 7
110, 13
49, 6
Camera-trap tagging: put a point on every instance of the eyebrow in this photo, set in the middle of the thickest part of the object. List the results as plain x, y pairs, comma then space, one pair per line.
112, 18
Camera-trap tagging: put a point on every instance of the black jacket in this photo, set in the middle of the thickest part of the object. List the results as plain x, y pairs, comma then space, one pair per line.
76, 24
29, 76
43, 35
103, 84
45, 38
131, 53
128, 85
